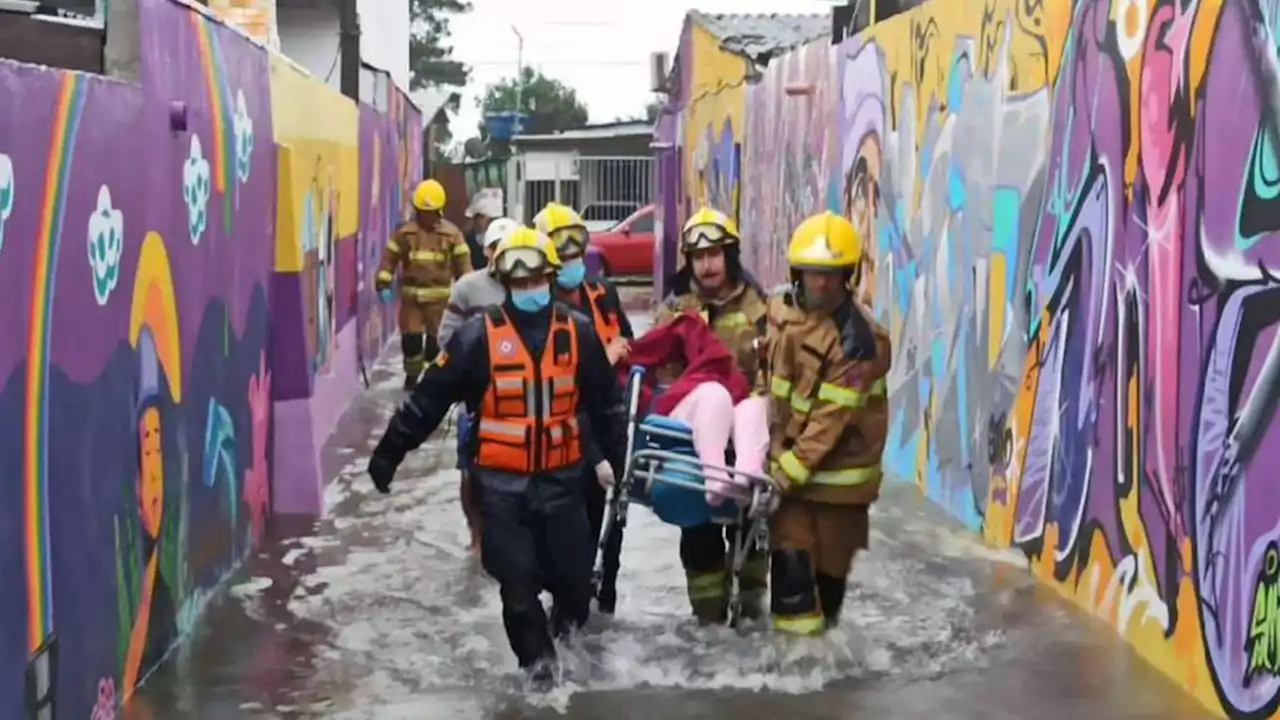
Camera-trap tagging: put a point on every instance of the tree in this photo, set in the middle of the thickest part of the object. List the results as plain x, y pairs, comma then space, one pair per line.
430, 54
653, 109
550, 105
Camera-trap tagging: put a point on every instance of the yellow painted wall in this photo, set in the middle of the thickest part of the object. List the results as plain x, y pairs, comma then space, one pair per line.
318, 131
717, 102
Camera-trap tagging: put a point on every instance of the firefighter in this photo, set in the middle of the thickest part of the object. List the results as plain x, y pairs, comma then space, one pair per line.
717, 290
595, 297
827, 363
523, 367
477, 291
430, 253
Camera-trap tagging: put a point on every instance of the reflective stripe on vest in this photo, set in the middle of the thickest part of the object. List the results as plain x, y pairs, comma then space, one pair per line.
848, 477
528, 420
608, 327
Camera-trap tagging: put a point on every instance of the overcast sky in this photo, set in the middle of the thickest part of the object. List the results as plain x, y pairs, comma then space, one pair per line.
599, 48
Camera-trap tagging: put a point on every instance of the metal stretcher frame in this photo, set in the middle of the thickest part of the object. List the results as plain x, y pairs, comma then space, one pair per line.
653, 466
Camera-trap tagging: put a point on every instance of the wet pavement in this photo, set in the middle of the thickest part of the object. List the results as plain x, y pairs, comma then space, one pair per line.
377, 611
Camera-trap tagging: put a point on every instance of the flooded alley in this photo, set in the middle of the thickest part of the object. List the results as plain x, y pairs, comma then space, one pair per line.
378, 611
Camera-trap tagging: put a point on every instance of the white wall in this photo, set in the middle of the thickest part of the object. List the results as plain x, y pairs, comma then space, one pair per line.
384, 37
309, 36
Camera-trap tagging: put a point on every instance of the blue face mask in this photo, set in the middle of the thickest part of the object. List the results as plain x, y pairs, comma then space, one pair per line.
531, 300
571, 273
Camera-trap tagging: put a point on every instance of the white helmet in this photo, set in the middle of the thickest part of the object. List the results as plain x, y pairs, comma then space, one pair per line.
498, 230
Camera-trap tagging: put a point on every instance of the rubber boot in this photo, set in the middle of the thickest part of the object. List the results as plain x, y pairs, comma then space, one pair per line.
707, 597
830, 597
410, 381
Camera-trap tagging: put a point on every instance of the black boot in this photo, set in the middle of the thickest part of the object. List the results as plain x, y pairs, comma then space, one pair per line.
830, 597
410, 381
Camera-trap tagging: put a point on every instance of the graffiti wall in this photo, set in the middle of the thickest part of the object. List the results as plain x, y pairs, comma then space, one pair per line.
713, 126
790, 154
134, 265
390, 148
171, 255
1069, 211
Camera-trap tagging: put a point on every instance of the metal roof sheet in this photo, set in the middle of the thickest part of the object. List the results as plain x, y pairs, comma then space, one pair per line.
761, 36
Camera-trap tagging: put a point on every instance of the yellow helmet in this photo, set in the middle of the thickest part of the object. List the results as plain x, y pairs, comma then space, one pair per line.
524, 253
564, 226
708, 228
429, 195
825, 241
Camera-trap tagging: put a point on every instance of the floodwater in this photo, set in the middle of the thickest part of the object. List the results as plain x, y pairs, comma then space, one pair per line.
377, 611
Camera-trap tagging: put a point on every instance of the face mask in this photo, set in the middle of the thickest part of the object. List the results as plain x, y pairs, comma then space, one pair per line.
571, 274
531, 300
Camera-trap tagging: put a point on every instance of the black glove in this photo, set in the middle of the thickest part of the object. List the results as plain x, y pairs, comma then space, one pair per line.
382, 470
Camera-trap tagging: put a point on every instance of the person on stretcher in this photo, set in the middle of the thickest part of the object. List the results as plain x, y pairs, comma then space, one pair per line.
697, 382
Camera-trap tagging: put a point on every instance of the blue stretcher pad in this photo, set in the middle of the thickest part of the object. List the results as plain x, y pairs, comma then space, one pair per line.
675, 505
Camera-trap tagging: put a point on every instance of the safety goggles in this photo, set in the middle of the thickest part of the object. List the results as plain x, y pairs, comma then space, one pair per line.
522, 262
701, 237
571, 242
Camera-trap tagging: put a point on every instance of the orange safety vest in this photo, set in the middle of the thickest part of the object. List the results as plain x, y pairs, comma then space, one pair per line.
528, 420
606, 320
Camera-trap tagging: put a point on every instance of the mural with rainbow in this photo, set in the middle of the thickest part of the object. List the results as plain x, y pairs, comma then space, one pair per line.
141, 264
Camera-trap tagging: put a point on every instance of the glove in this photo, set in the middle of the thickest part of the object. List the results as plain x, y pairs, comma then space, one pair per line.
382, 471
386, 295
779, 477
604, 474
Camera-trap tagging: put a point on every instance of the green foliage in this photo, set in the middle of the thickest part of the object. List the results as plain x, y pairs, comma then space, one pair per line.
430, 54
549, 103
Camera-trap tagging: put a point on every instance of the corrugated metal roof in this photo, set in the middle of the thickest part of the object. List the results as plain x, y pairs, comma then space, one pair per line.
761, 36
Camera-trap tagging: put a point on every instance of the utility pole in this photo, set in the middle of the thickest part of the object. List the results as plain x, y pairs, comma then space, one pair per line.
519, 77
349, 48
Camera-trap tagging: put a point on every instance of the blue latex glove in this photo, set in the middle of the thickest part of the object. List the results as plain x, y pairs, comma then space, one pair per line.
386, 295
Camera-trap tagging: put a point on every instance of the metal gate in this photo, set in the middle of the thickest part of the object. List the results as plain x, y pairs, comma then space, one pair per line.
604, 190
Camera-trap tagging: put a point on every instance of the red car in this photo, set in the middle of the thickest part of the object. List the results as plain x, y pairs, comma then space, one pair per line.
626, 248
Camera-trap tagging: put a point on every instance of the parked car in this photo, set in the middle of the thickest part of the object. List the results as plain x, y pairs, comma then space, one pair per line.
627, 248
601, 216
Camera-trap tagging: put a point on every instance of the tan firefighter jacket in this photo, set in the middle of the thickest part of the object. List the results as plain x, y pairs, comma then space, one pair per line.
829, 410
738, 321
428, 260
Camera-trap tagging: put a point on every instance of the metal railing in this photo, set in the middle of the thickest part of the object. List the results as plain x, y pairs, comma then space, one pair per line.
604, 189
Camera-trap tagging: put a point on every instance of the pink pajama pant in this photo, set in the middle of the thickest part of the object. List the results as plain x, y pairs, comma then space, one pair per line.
705, 409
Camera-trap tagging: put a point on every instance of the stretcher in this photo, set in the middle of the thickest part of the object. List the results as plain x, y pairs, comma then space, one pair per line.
663, 473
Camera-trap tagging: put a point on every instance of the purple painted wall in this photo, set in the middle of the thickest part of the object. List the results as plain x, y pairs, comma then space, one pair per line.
135, 292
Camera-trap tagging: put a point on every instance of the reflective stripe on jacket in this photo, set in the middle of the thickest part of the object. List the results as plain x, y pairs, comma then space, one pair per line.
428, 261
528, 420
829, 396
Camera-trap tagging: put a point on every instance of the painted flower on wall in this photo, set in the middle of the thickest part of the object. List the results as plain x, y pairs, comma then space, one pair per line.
257, 494
7, 183
242, 123
195, 190
106, 246
104, 707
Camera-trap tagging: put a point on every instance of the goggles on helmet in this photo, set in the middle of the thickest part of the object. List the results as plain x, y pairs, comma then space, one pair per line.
522, 262
571, 242
701, 237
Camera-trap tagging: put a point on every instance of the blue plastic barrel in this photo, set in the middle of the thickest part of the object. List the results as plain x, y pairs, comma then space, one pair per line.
504, 125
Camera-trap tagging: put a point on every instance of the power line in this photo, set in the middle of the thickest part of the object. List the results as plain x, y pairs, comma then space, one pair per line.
576, 61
